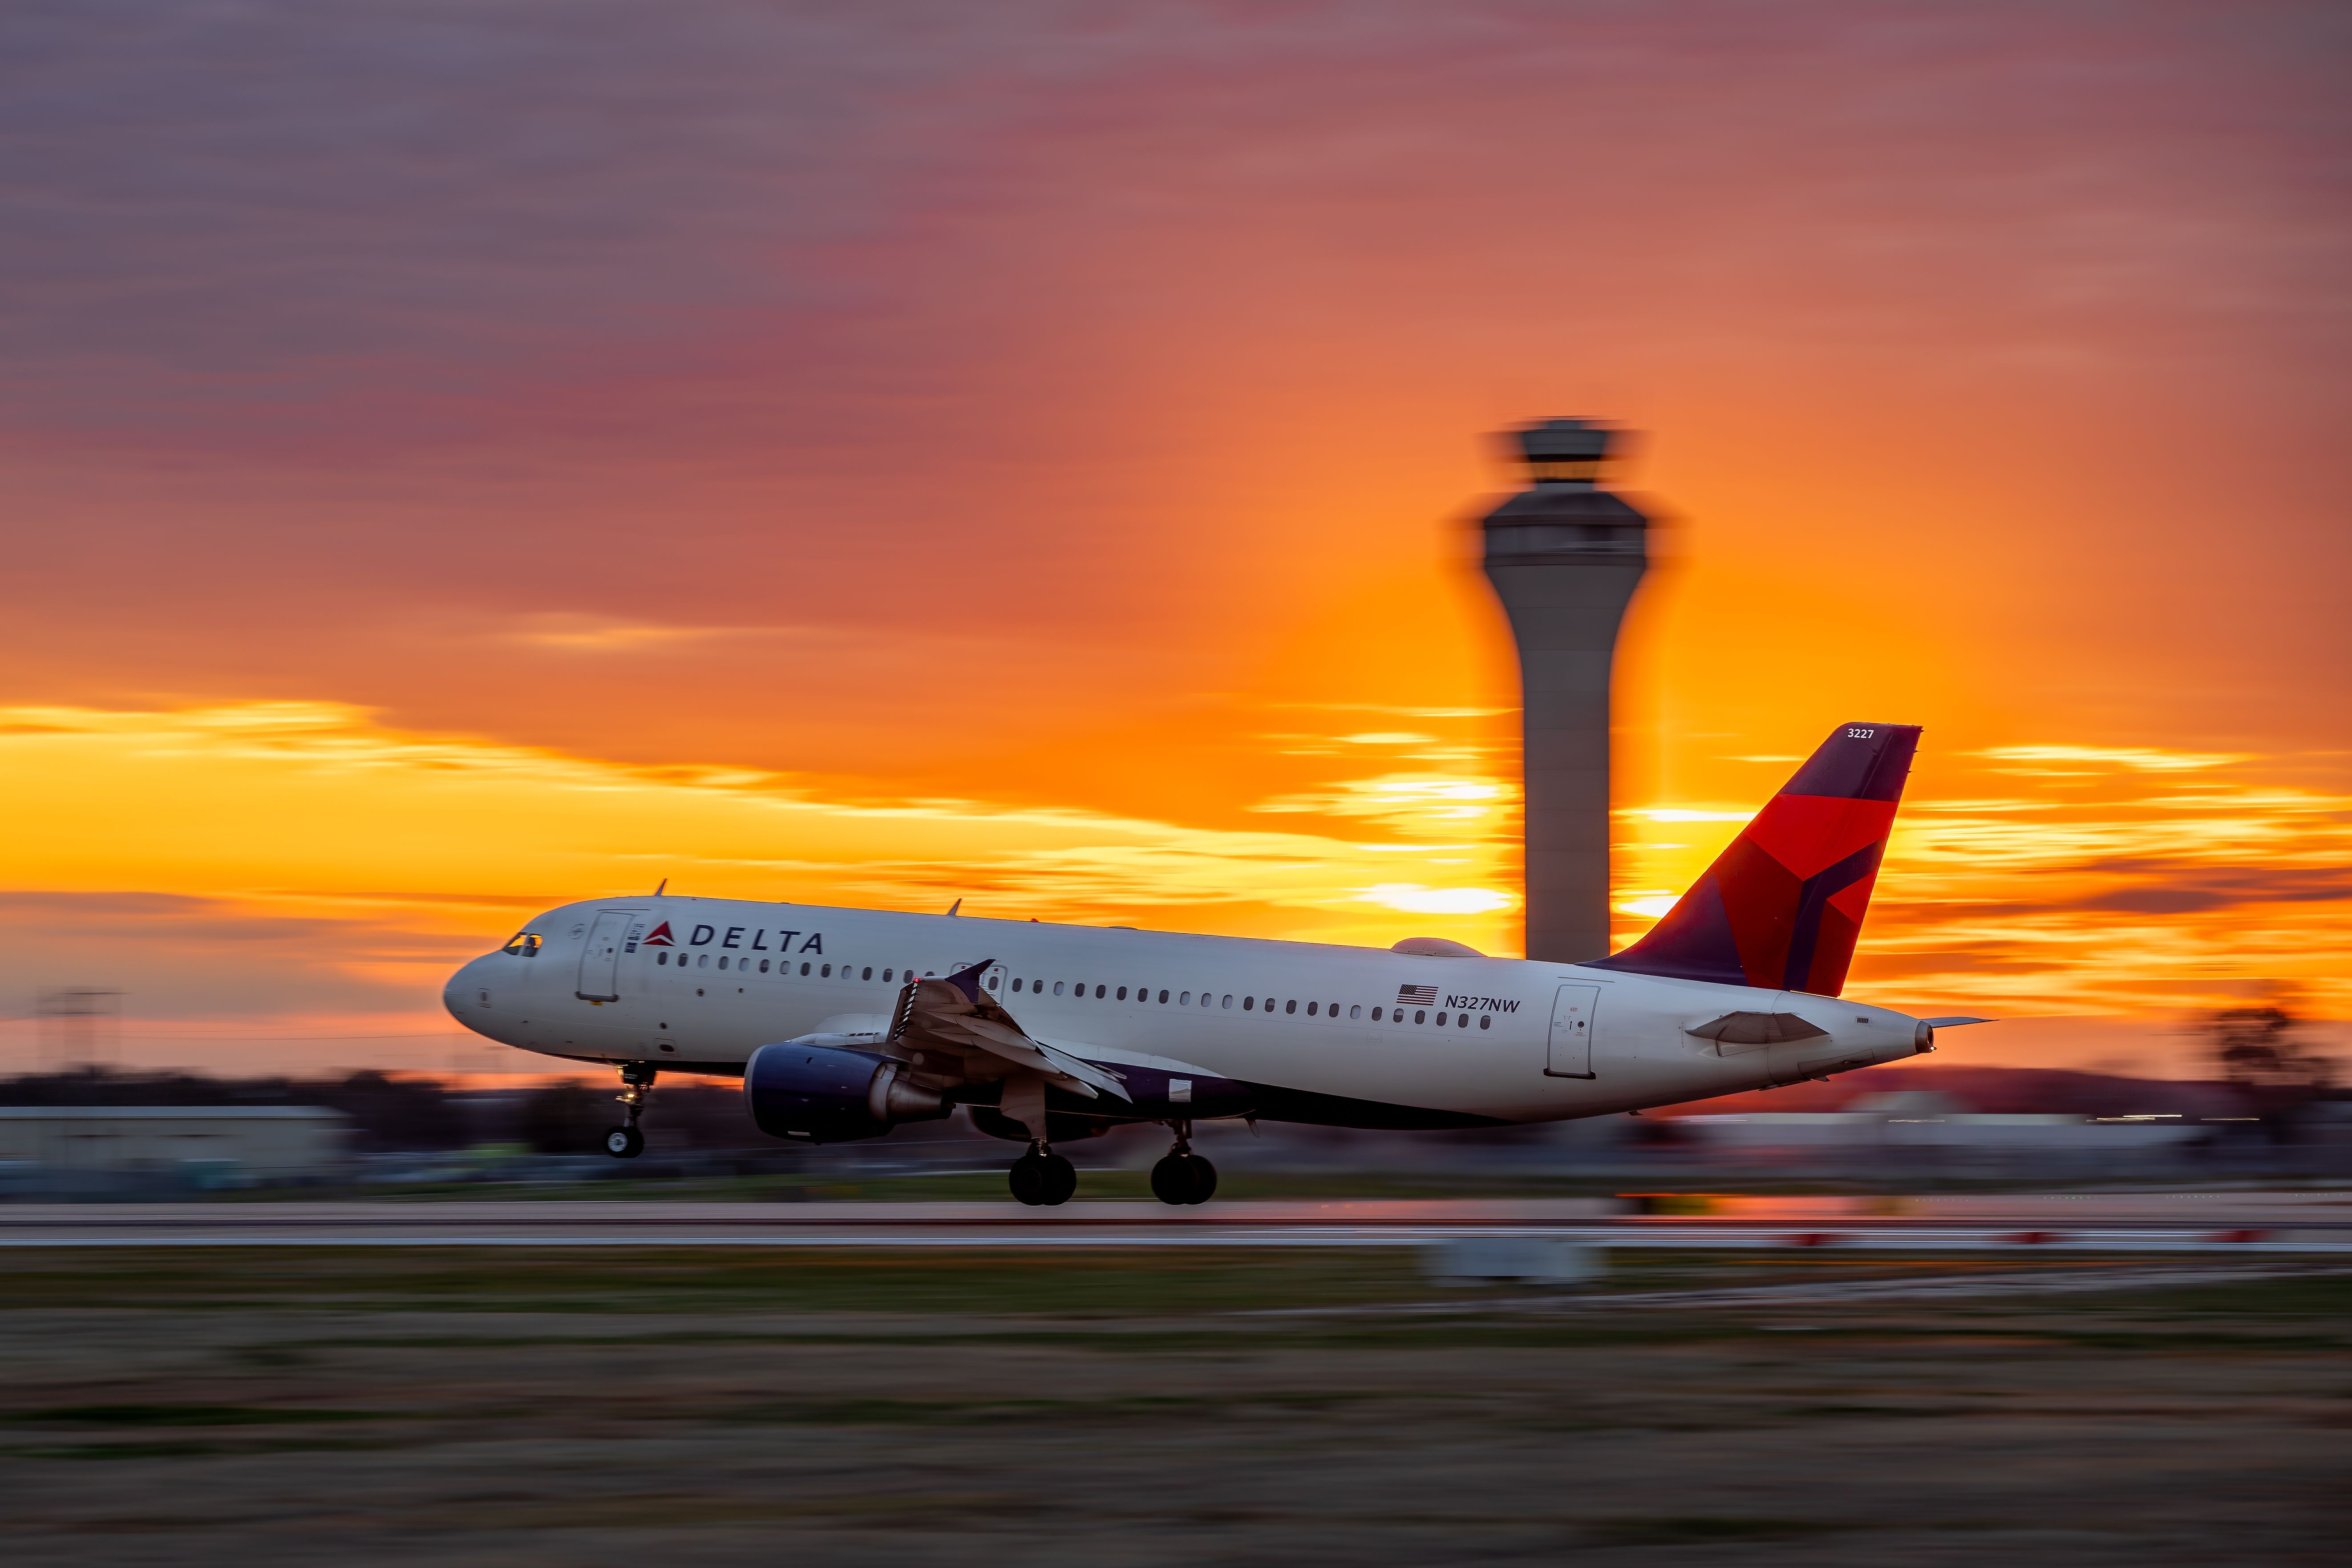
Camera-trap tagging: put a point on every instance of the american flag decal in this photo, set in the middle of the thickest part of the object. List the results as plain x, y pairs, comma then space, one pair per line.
1417, 995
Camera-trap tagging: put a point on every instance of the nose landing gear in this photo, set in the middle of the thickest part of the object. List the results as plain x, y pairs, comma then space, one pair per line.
625, 1142
1042, 1179
1183, 1178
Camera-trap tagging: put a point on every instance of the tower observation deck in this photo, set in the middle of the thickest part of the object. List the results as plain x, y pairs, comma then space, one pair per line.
1565, 556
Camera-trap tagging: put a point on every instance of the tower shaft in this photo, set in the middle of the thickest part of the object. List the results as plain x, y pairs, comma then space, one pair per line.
1565, 557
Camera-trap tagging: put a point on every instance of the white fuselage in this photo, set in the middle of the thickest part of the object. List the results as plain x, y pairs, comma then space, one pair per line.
1473, 1040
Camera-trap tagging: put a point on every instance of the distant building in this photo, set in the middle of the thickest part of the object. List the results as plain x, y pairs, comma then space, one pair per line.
267, 1141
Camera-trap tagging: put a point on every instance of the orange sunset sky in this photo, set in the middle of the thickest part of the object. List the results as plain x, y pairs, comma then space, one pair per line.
458, 459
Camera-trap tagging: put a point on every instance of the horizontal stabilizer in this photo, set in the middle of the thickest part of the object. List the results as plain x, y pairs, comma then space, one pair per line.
1955, 1023
1755, 1029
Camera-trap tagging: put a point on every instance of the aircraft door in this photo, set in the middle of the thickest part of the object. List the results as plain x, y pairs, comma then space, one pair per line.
600, 960
1571, 1051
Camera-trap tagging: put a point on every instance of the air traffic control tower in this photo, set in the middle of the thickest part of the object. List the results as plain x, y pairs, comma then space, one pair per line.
1565, 557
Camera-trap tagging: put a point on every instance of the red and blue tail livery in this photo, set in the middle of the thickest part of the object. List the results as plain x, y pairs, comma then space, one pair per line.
1780, 909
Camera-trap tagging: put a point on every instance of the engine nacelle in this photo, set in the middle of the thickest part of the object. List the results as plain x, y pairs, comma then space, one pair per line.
828, 1095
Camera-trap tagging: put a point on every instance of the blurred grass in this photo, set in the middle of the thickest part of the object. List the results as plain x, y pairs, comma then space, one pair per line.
646, 1280
184, 1415
1156, 1283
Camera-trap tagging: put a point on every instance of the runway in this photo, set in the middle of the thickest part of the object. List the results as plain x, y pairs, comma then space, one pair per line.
2235, 1222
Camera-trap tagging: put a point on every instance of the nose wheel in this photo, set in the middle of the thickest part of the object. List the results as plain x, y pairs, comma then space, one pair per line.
1042, 1179
625, 1142
1183, 1178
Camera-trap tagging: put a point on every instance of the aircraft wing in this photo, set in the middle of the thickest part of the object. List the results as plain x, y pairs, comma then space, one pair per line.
956, 1013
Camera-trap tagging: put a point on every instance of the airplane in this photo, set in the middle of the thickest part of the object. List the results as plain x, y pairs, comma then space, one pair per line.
845, 1022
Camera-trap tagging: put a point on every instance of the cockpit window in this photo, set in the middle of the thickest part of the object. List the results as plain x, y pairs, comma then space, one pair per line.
526, 945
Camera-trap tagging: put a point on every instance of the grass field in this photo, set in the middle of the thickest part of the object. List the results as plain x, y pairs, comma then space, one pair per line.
727, 1406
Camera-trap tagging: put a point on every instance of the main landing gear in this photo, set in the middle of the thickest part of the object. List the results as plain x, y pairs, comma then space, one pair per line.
1042, 1179
625, 1142
1183, 1178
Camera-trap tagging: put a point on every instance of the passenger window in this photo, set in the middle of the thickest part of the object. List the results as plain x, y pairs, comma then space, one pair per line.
1310, 1009
1486, 1020
661, 958
722, 961
1291, 1006
703, 961
1163, 998
1461, 1020
1441, 1020
1248, 1003
1057, 988
1420, 1015
1184, 998
1229, 1001
1358, 1011
1376, 1014
1122, 993
804, 969
826, 972
1098, 993
885, 974
865, 974
1016, 982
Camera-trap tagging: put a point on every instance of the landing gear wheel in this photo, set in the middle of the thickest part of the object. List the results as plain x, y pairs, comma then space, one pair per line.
1028, 1179
625, 1142
1183, 1178
1042, 1179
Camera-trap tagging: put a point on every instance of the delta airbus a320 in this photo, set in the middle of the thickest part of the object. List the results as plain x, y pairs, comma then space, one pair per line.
844, 1023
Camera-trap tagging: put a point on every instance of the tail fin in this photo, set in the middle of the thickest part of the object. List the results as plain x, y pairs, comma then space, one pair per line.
1779, 910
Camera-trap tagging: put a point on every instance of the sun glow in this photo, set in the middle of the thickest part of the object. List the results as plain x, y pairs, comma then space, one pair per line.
352, 854
2120, 895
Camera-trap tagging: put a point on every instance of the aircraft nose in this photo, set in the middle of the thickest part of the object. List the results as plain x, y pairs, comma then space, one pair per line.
460, 989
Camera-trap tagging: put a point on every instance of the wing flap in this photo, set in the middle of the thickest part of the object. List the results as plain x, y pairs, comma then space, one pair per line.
955, 1012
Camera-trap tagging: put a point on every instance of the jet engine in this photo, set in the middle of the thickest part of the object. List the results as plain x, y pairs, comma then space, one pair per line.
828, 1095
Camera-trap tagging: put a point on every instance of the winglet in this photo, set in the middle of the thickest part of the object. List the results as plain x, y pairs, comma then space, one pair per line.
968, 979
954, 907
665, 885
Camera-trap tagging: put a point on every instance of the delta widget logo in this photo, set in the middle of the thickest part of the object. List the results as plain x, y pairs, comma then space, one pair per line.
660, 937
